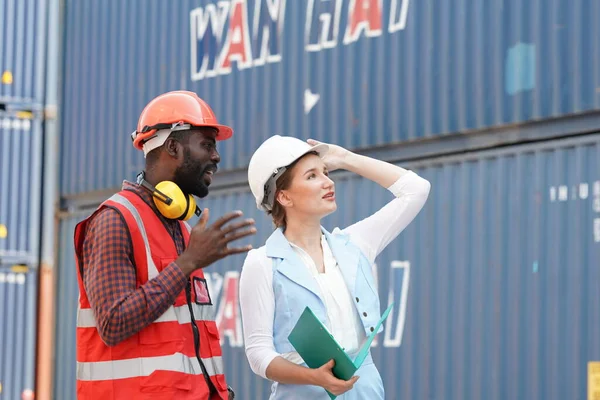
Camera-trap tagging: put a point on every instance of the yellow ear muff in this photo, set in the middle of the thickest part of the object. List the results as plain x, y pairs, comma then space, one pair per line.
182, 206
192, 208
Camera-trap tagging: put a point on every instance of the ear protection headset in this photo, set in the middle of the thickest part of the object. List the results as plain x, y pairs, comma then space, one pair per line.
170, 200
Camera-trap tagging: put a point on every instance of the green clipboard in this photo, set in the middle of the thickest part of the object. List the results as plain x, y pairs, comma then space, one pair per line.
317, 346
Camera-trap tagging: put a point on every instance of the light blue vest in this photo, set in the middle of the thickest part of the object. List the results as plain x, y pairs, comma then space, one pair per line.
295, 288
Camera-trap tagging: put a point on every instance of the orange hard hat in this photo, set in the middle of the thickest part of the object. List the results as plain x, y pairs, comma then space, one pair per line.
177, 110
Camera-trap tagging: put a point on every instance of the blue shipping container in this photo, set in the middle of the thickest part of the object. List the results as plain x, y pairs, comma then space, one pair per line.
394, 71
22, 52
18, 305
495, 282
20, 189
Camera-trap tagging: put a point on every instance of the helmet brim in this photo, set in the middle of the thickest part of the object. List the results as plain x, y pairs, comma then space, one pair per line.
223, 132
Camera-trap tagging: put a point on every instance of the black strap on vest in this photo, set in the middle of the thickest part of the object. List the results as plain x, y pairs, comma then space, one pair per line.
209, 382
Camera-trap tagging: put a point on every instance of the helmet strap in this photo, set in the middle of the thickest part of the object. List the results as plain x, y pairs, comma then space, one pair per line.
270, 188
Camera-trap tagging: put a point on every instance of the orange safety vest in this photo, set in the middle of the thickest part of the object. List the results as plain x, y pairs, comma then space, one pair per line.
160, 361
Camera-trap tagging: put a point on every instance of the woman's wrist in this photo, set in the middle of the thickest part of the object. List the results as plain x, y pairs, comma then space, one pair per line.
312, 376
350, 161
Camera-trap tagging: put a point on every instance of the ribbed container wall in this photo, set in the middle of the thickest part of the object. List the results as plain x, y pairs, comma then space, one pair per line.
402, 71
22, 52
495, 282
503, 276
24, 38
20, 189
18, 306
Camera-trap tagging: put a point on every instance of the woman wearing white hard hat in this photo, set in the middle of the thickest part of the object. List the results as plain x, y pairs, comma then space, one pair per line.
302, 264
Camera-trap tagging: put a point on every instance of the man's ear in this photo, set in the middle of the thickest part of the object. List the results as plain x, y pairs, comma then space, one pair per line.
284, 199
173, 148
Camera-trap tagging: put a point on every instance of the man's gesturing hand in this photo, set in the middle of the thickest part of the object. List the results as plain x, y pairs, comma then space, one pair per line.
210, 244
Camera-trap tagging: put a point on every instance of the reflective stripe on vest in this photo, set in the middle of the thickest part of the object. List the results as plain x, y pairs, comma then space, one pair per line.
181, 314
117, 198
133, 368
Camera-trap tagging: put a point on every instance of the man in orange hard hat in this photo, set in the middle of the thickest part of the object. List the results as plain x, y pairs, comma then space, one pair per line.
145, 323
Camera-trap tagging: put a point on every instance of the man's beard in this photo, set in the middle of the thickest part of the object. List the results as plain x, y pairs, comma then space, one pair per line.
190, 175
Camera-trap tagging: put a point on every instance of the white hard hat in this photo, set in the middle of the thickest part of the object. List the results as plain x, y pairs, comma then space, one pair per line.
270, 161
